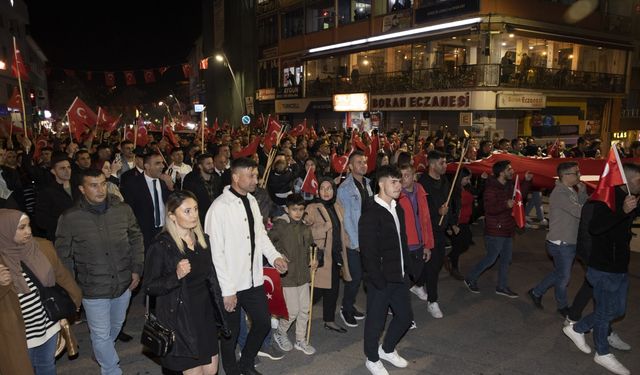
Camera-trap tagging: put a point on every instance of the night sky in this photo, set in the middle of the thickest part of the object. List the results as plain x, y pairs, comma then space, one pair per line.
115, 34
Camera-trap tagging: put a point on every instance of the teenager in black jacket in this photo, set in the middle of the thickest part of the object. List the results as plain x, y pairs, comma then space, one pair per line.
385, 259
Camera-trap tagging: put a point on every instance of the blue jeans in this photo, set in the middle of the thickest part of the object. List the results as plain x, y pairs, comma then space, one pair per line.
43, 357
563, 256
351, 287
610, 295
105, 318
495, 247
535, 201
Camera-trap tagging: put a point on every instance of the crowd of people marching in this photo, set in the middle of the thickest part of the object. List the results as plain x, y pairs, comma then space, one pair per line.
191, 225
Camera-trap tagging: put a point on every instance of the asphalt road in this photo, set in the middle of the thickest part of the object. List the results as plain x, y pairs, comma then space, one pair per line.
479, 334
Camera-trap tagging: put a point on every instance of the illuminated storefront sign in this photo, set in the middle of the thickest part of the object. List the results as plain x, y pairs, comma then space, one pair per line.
430, 101
520, 100
351, 102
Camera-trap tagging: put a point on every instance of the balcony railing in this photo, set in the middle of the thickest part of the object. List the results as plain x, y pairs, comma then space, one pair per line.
470, 76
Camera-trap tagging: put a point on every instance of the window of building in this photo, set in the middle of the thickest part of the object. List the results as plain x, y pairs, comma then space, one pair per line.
292, 23
353, 11
267, 31
397, 5
321, 15
264, 6
268, 74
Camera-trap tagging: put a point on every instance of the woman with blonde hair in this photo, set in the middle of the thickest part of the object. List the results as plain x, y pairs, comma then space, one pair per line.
179, 272
27, 336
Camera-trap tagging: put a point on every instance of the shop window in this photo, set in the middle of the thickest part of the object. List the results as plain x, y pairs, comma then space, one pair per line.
293, 76
320, 15
398, 5
268, 74
353, 11
380, 7
292, 23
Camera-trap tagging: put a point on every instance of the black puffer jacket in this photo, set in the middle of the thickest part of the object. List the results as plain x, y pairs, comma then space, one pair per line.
172, 304
104, 249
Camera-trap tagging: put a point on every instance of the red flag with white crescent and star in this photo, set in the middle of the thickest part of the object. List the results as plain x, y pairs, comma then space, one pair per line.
149, 76
16, 99
249, 150
612, 176
107, 122
271, 136
80, 117
109, 79
518, 208
299, 129
186, 70
310, 183
18, 67
129, 77
273, 290
339, 163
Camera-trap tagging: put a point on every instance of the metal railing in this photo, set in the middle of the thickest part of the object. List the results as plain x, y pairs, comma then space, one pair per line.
469, 76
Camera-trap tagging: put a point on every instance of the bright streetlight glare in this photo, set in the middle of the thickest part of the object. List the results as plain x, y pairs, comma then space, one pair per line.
219, 58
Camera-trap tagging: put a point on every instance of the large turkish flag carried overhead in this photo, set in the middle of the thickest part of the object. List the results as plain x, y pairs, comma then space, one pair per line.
80, 117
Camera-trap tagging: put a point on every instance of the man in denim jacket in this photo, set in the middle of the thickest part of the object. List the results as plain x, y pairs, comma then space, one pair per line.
352, 194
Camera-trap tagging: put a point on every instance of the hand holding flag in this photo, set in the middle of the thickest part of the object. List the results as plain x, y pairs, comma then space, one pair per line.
612, 176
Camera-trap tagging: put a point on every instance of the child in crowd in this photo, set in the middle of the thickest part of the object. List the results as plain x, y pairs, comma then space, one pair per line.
293, 239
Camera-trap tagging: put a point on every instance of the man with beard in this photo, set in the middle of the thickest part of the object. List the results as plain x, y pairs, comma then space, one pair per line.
204, 183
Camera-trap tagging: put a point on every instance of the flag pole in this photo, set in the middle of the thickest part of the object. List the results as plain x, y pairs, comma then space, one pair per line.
455, 178
514, 190
272, 156
313, 255
24, 111
202, 114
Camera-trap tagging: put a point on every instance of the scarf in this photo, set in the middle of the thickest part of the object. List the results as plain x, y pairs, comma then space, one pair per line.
28, 253
331, 201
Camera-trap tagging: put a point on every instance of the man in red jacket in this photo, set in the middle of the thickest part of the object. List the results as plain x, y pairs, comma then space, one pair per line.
413, 200
499, 226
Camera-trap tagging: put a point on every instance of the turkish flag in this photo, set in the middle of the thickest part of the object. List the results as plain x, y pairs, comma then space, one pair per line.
166, 129
371, 153
107, 122
129, 77
299, 129
142, 137
271, 136
249, 150
149, 77
420, 162
310, 184
612, 176
273, 290
339, 163
80, 118
109, 79
186, 70
356, 141
18, 67
204, 64
41, 143
518, 208
16, 99
163, 70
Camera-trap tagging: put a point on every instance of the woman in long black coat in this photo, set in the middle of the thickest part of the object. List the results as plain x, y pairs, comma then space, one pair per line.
179, 272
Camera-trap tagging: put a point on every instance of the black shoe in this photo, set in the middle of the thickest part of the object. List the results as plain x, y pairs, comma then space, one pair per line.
537, 301
337, 328
564, 311
249, 371
348, 319
506, 292
447, 264
357, 314
124, 337
472, 286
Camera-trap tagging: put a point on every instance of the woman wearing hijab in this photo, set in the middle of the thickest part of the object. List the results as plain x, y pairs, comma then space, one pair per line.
27, 336
326, 217
180, 273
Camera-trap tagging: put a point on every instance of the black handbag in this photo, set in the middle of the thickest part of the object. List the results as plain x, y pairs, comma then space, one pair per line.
155, 336
56, 301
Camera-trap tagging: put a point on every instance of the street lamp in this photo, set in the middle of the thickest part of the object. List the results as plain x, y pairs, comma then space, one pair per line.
177, 102
222, 58
168, 110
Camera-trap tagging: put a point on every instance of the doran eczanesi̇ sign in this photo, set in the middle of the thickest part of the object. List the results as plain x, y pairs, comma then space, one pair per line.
520, 100
436, 101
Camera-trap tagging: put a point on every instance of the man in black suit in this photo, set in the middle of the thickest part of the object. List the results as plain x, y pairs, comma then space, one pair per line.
220, 162
385, 259
138, 168
204, 183
146, 194
54, 198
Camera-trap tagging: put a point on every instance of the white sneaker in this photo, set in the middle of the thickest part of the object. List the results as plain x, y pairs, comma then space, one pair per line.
393, 358
413, 325
283, 342
577, 338
616, 342
568, 322
434, 309
304, 347
420, 292
610, 362
376, 368
544, 222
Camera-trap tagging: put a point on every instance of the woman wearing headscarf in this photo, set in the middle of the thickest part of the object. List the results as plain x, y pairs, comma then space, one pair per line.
27, 336
326, 218
179, 272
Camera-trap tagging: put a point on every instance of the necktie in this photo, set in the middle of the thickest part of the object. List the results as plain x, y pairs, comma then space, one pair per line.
156, 204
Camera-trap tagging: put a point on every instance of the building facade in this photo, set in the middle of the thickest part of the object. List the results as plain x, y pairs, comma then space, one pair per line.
498, 67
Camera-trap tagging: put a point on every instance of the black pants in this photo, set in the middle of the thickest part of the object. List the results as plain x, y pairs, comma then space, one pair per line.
329, 296
434, 265
460, 243
417, 266
254, 303
351, 287
396, 296
581, 300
